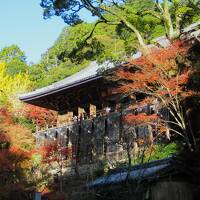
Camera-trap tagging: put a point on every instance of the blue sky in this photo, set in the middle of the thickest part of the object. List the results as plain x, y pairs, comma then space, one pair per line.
21, 23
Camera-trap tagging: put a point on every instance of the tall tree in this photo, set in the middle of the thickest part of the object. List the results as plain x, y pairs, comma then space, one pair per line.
11, 86
14, 58
109, 12
105, 44
129, 13
173, 14
12, 52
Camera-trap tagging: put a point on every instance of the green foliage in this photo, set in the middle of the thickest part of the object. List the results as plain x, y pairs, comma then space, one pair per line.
11, 86
24, 122
104, 45
189, 9
101, 169
15, 60
41, 77
67, 56
158, 31
7, 54
15, 67
139, 22
37, 74
156, 152
162, 151
115, 43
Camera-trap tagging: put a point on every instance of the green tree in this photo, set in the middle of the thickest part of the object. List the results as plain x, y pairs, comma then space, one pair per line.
67, 56
14, 59
128, 13
111, 12
11, 86
12, 52
174, 14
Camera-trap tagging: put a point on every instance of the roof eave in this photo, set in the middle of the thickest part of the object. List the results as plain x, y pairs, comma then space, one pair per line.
40, 94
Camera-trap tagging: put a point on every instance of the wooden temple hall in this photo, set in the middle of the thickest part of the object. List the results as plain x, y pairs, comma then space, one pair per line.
88, 121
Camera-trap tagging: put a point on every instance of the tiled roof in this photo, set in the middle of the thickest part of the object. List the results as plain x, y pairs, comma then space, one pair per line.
142, 171
93, 71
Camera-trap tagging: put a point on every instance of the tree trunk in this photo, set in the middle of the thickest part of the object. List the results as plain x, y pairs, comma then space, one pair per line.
168, 21
143, 46
178, 28
189, 145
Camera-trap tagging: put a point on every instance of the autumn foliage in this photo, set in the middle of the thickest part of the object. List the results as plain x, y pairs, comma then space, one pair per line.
54, 152
141, 118
40, 116
10, 159
17, 135
161, 76
12, 168
156, 73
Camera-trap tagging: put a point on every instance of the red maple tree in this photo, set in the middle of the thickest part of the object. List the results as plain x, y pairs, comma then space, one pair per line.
55, 154
161, 76
40, 116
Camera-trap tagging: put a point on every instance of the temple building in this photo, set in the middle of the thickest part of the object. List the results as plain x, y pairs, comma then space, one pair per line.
89, 115
87, 119
86, 86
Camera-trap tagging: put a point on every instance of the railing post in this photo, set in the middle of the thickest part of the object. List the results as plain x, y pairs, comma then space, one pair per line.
105, 137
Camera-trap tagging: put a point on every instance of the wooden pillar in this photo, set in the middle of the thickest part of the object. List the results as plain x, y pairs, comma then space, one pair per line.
91, 148
93, 111
69, 117
64, 119
81, 112
78, 147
